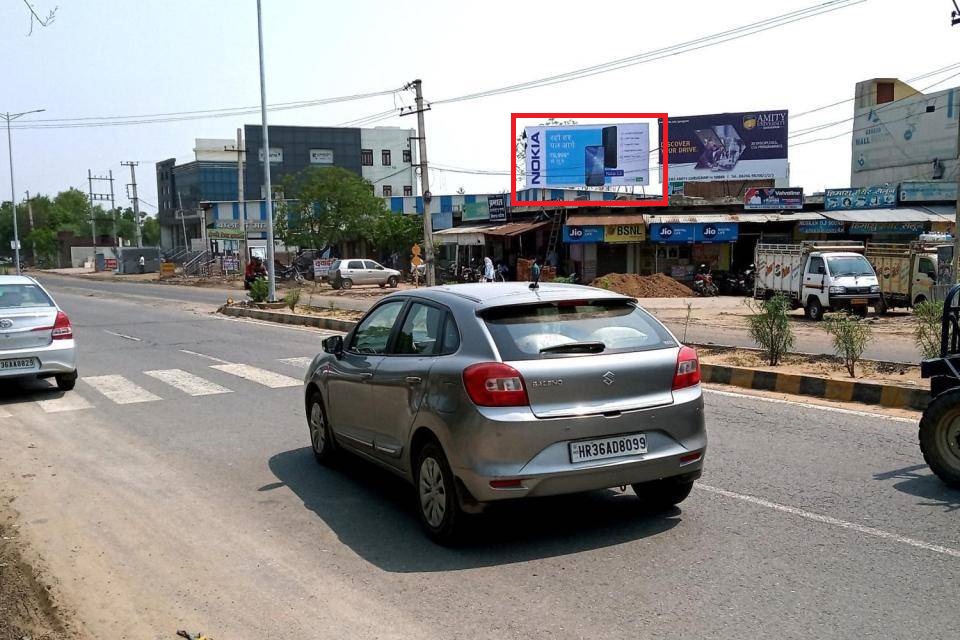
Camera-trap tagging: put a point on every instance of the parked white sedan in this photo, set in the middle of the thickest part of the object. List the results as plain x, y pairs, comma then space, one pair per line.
36, 337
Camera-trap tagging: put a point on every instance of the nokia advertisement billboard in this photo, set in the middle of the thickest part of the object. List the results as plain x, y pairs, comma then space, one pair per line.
588, 155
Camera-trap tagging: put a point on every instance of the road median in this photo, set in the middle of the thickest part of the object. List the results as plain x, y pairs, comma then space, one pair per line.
880, 393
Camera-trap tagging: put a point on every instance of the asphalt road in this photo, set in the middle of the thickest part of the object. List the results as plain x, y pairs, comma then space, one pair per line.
154, 509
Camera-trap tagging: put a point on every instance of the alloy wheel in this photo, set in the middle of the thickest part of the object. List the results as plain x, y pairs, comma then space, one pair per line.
433, 495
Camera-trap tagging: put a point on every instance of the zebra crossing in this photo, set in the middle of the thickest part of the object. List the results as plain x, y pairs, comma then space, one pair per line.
125, 390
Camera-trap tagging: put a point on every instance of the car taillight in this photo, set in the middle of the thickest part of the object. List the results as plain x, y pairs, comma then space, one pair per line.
687, 373
62, 329
494, 384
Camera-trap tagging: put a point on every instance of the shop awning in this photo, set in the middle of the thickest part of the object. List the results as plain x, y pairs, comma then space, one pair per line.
900, 214
514, 229
942, 213
586, 219
799, 216
463, 235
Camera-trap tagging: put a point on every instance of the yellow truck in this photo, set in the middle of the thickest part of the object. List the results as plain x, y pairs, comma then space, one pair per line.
906, 272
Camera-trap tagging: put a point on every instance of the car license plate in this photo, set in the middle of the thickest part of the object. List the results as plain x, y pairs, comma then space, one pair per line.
615, 447
859, 301
17, 363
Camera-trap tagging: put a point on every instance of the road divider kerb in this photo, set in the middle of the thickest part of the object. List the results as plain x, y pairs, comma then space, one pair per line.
318, 322
873, 393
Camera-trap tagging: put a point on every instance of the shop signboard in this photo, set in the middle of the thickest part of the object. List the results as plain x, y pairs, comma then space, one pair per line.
321, 266
820, 226
929, 191
635, 232
728, 146
476, 210
893, 228
224, 234
321, 156
690, 233
231, 263
757, 198
710, 232
614, 154
582, 234
862, 198
497, 207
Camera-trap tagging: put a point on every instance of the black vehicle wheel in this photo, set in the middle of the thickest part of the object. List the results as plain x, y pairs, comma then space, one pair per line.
939, 436
346, 283
814, 309
882, 307
860, 312
66, 381
661, 495
919, 300
393, 281
321, 440
437, 503
336, 284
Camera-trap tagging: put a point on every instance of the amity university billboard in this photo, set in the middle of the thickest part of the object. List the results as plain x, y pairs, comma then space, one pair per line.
728, 146
588, 155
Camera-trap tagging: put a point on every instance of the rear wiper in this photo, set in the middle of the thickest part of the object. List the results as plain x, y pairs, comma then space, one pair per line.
575, 347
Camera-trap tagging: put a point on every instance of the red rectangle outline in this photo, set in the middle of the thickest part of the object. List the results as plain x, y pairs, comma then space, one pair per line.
663, 201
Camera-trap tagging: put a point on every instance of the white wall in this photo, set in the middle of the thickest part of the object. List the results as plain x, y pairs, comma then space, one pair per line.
399, 173
214, 149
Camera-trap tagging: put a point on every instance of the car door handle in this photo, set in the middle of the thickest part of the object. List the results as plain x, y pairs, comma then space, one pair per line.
413, 379
364, 376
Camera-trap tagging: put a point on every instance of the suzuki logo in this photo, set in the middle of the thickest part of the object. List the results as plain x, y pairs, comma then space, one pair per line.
6, 323
608, 378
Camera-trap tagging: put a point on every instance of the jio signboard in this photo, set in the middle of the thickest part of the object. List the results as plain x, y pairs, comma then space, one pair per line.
694, 233
582, 234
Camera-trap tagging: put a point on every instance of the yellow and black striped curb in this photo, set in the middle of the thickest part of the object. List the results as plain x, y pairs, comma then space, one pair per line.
287, 318
887, 395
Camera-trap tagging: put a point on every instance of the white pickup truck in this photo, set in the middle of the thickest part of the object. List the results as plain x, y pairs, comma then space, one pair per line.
907, 272
818, 276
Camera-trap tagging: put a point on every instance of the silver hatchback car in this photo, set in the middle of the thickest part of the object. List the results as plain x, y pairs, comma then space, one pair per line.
476, 393
36, 337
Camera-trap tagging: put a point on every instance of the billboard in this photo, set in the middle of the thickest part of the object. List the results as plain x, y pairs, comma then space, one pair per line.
757, 198
582, 234
862, 198
728, 146
689, 232
588, 155
917, 130
820, 226
497, 207
932, 191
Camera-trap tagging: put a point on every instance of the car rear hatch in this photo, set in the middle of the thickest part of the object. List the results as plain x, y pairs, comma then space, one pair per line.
26, 328
583, 357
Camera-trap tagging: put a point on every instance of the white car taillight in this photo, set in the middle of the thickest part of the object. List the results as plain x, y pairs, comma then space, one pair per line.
687, 373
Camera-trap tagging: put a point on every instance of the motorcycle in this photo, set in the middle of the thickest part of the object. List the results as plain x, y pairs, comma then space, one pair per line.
703, 284
290, 272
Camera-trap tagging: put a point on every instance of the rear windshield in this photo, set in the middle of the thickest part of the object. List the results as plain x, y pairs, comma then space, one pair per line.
587, 327
17, 296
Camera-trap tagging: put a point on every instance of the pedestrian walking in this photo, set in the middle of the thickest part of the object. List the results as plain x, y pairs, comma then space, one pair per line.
142, 263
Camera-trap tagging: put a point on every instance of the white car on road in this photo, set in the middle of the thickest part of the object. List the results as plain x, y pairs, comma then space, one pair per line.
36, 337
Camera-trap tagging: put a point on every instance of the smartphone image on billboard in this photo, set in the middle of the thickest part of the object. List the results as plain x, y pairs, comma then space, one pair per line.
610, 147
593, 161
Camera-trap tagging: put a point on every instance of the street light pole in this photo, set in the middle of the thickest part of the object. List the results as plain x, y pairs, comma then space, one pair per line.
13, 194
271, 281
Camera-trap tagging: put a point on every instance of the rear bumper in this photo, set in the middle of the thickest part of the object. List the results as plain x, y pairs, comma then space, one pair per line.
673, 432
60, 356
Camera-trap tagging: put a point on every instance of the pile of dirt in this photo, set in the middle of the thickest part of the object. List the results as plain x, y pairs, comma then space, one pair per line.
656, 286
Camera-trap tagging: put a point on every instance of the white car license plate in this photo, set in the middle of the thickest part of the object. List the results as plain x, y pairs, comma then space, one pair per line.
17, 363
615, 447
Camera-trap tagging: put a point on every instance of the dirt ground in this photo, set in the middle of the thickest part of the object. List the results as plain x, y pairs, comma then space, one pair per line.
823, 366
26, 610
655, 286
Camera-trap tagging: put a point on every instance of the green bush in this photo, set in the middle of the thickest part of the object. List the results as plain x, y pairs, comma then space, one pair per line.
769, 327
292, 299
259, 291
927, 333
850, 337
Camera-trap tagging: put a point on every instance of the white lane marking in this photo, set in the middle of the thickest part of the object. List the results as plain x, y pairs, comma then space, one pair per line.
203, 355
836, 522
123, 335
260, 376
302, 363
4, 413
119, 389
69, 401
187, 382
806, 405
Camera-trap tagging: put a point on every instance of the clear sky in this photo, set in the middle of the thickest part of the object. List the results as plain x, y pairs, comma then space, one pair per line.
125, 57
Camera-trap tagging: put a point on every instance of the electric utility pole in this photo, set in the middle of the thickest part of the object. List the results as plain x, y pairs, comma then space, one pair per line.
33, 246
135, 200
271, 281
13, 197
103, 197
416, 85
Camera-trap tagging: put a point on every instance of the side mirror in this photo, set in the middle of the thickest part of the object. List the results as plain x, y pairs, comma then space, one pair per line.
334, 345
